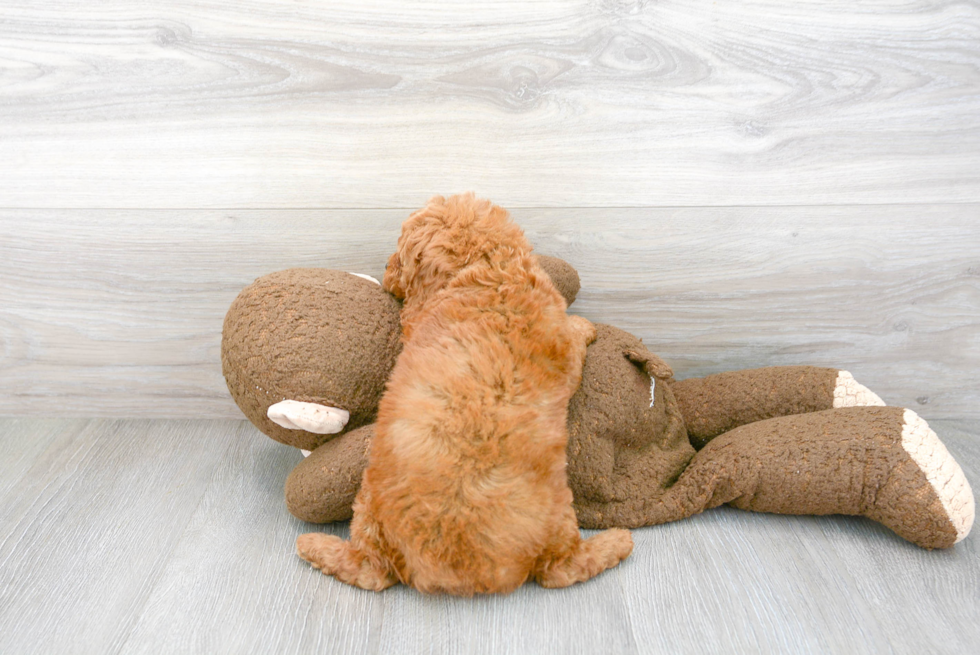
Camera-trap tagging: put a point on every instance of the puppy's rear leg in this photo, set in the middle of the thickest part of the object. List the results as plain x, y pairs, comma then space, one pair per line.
341, 559
583, 327
584, 334
577, 560
357, 562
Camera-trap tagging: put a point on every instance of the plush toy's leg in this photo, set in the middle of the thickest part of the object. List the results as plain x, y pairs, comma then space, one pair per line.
718, 403
357, 562
571, 559
322, 488
880, 462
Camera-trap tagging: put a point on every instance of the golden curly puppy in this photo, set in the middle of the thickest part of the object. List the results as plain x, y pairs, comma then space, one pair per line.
465, 491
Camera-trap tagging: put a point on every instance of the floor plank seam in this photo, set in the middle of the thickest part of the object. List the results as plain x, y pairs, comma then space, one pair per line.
161, 568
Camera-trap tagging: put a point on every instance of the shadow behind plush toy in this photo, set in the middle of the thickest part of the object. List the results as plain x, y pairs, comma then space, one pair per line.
643, 449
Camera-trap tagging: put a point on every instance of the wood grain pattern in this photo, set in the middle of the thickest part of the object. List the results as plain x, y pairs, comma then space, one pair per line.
19, 453
233, 584
893, 585
119, 313
86, 530
172, 536
213, 103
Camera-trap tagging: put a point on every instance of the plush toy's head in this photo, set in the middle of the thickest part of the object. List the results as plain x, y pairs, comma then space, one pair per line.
310, 335
320, 336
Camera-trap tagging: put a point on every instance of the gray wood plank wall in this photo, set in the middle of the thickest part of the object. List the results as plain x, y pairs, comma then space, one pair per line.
740, 184
221, 103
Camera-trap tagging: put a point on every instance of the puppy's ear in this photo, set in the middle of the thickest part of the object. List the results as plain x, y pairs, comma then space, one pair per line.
391, 282
403, 271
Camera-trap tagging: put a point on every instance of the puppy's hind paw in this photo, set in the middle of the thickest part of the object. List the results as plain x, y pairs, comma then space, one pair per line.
321, 550
336, 557
584, 327
590, 558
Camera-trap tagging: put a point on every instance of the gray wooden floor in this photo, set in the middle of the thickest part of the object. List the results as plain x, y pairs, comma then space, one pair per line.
157, 536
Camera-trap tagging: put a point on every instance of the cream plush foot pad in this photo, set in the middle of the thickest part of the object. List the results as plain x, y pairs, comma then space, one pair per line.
942, 471
849, 393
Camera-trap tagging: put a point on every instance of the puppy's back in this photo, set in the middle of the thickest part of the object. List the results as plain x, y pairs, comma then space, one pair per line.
468, 460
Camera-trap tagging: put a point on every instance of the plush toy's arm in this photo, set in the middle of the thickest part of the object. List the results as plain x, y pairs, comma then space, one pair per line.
322, 487
880, 462
718, 403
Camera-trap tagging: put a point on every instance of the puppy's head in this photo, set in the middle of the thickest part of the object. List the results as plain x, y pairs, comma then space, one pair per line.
444, 237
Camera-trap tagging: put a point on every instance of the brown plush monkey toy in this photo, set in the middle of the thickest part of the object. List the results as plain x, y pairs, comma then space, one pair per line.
306, 353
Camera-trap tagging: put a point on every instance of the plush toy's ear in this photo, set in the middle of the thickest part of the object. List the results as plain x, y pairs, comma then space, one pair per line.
651, 364
563, 276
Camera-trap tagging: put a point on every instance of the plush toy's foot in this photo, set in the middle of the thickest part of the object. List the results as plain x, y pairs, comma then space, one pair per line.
336, 557
311, 417
849, 393
884, 463
906, 503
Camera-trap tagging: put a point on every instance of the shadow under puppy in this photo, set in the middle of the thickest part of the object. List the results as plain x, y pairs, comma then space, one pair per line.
466, 490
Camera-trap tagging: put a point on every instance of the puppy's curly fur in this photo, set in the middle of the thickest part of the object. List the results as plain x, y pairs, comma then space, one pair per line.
465, 490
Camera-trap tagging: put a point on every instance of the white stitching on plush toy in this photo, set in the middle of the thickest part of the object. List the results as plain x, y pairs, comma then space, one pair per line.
366, 277
849, 393
942, 471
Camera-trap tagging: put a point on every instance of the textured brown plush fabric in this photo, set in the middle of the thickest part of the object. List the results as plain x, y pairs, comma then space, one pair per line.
768, 440
312, 335
619, 447
563, 276
718, 403
838, 461
322, 487
632, 465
